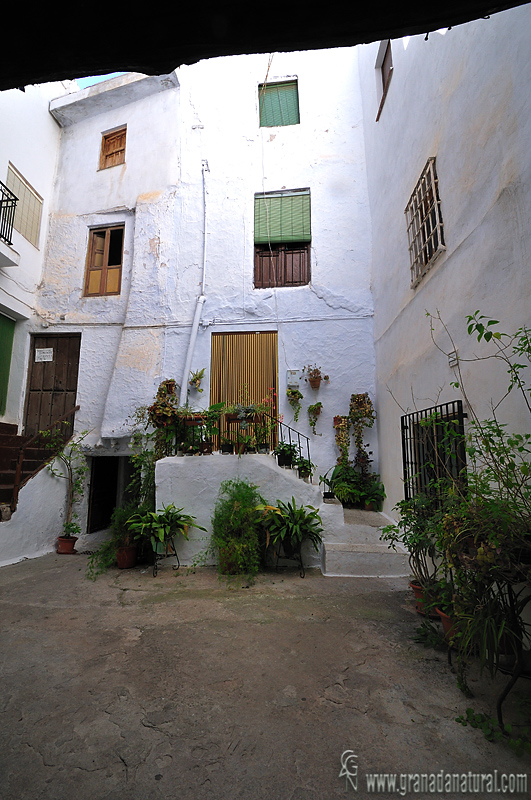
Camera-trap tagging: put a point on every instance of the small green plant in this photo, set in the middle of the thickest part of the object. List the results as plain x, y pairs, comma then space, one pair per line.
313, 412
305, 466
195, 379
289, 525
294, 399
287, 453
161, 526
235, 528
520, 744
73, 459
121, 535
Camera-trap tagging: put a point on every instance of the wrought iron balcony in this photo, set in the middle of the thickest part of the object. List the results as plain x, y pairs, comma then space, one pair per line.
8, 204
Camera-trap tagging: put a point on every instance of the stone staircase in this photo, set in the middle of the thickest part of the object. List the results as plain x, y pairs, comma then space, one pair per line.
34, 459
352, 546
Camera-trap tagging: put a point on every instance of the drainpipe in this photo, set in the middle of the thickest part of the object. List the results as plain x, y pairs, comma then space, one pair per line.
200, 300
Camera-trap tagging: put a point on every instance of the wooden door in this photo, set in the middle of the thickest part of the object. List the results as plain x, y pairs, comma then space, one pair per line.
52, 379
243, 367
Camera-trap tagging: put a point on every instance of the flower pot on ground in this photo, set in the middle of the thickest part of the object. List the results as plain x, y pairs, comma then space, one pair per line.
126, 556
449, 626
423, 600
288, 526
66, 544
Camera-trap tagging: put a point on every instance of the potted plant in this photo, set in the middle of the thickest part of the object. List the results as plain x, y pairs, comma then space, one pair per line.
286, 454
314, 376
120, 548
304, 466
195, 379
288, 526
235, 523
210, 427
416, 531
75, 469
294, 399
313, 412
161, 528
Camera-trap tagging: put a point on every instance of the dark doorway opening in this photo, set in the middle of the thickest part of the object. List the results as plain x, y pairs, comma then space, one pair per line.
109, 478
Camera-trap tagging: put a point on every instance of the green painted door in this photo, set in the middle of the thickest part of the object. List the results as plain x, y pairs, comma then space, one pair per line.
7, 329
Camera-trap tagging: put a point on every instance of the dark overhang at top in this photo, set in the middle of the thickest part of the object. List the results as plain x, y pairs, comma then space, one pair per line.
57, 41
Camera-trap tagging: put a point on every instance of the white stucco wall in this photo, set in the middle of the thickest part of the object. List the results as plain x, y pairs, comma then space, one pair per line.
464, 98
34, 527
29, 139
193, 484
213, 116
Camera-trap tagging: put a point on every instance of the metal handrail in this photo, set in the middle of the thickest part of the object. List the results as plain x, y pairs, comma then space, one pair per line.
25, 446
8, 204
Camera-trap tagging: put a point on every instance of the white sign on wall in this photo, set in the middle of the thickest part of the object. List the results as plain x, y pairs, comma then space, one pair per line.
44, 354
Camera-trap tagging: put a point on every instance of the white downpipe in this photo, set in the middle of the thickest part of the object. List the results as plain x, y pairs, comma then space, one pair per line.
183, 397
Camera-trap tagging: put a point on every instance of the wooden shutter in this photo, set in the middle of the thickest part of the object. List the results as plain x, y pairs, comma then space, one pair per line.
278, 104
104, 262
113, 148
282, 217
7, 330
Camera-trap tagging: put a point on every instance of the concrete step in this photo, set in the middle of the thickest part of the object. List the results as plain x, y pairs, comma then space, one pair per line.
353, 548
363, 561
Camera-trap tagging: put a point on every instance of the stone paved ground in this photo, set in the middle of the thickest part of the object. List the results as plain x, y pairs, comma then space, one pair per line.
184, 686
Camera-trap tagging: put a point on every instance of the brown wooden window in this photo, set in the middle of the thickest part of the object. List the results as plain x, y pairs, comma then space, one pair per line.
282, 238
104, 261
281, 265
113, 148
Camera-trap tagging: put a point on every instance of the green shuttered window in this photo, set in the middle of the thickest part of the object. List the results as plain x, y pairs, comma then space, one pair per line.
278, 104
7, 329
282, 238
282, 217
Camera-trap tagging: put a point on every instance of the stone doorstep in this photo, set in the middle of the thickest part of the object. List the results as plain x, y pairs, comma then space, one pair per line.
362, 560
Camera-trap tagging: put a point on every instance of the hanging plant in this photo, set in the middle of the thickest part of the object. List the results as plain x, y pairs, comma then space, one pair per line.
342, 429
361, 415
294, 399
314, 376
196, 378
313, 413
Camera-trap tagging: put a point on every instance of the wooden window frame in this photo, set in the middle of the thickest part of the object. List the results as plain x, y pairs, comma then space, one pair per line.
272, 265
114, 154
90, 263
384, 63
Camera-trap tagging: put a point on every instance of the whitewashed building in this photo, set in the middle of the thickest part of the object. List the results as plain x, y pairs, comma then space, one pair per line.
154, 249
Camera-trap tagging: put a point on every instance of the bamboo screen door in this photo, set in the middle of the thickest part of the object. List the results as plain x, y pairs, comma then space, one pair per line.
243, 368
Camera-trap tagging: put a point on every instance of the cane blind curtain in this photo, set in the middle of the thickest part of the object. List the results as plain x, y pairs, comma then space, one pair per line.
282, 217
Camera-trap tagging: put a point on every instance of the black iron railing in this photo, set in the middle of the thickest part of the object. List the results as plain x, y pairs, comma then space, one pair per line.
433, 449
8, 204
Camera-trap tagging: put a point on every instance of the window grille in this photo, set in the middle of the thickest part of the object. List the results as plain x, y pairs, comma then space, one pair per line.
433, 449
424, 223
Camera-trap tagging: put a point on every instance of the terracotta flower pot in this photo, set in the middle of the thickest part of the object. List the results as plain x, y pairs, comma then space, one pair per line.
314, 382
65, 544
448, 624
422, 598
126, 557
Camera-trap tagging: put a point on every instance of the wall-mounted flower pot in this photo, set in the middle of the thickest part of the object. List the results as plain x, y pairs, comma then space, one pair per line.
314, 382
66, 544
126, 557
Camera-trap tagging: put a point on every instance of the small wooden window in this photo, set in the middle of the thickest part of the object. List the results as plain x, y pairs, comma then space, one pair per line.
281, 265
104, 261
113, 148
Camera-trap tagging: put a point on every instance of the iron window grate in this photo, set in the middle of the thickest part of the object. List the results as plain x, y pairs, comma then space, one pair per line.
433, 449
424, 223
